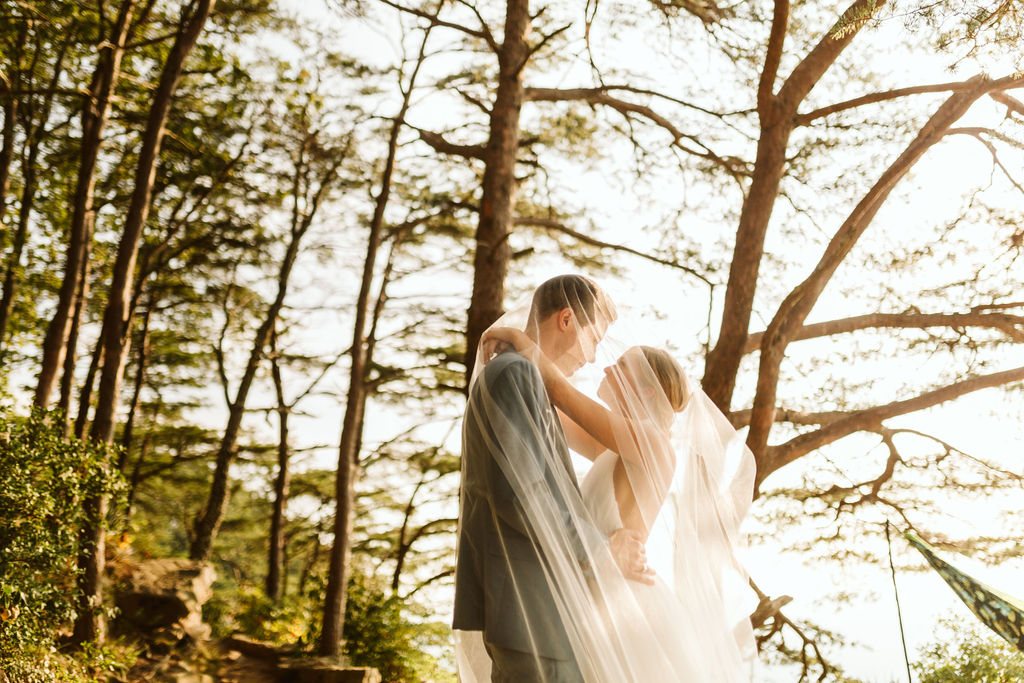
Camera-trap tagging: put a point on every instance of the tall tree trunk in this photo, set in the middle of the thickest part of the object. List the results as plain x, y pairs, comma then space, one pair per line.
136, 477
10, 109
140, 379
723, 361
35, 133
7, 150
67, 377
355, 404
95, 112
11, 272
497, 202
208, 522
777, 113
113, 335
89, 626
275, 561
85, 395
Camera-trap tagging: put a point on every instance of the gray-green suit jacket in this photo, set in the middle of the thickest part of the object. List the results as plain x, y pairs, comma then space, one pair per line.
500, 586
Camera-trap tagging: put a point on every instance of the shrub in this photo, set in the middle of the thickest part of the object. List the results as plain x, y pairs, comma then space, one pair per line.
380, 633
44, 478
969, 654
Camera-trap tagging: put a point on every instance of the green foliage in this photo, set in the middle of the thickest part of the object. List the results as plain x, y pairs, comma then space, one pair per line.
381, 629
43, 663
44, 478
248, 610
380, 633
966, 654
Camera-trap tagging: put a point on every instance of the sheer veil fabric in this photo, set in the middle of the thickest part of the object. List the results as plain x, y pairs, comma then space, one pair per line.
535, 572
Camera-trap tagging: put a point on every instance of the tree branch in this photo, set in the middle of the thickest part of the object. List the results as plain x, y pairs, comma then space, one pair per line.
434, 21
772, 59
552, 224
600, 95
1011, 325
741, 418
441, 145
777, 456
812, 67
794, 309
872, 98
976, 133
1012, 104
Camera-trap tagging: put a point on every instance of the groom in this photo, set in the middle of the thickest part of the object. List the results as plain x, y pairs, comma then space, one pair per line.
513, 444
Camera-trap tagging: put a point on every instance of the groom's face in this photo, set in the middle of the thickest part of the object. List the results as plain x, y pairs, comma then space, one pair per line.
578, 342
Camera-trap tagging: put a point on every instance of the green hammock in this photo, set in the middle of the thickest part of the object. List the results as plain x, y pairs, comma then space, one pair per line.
1002, 613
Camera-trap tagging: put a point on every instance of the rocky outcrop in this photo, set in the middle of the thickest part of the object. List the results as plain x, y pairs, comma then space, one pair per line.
325, 671
163, 599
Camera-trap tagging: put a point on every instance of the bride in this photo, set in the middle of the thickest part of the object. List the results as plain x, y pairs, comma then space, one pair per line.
686, 496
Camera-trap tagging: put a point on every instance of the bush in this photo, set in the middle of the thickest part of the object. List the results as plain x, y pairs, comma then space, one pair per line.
44, 478
969, 654
380, 633
246, 609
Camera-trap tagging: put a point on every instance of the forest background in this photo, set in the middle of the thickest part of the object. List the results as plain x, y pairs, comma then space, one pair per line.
248, 249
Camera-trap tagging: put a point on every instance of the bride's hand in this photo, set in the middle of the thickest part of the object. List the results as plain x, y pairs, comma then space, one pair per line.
496, 339
630, 555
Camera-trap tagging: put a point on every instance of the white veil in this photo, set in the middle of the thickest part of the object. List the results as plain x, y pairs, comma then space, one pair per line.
536, 575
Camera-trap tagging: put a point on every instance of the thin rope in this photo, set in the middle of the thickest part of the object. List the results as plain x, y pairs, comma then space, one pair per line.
899, 612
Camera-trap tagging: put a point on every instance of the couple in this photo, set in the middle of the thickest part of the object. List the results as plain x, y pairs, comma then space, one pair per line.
632, 576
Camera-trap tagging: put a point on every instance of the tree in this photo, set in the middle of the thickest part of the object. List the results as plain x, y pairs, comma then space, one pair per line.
967, 654
95, 112
117, 315
316, 166
40, 82
361, 354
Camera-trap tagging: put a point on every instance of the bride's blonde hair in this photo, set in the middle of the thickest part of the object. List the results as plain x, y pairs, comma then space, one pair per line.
670, 376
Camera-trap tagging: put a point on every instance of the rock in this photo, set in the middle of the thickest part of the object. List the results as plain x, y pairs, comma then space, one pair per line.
325, 670
189, 678
166, 595
250, 647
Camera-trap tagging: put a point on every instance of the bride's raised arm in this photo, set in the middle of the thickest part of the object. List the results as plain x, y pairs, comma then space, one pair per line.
579, 439
597, 427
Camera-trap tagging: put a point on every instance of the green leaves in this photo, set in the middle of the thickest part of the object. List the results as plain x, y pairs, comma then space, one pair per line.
44, 478
964, 654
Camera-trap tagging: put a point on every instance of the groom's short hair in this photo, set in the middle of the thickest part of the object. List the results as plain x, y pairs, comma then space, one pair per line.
586, 299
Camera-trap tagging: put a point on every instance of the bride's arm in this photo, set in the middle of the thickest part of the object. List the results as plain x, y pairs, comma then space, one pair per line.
578, 438
601, 426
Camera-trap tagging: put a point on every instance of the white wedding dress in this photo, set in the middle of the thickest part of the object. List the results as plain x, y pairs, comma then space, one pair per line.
683, 635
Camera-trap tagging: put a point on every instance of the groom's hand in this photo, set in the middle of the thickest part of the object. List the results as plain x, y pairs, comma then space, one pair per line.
630, 555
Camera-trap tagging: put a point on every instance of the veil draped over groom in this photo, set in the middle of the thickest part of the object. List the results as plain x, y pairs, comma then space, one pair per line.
535, 572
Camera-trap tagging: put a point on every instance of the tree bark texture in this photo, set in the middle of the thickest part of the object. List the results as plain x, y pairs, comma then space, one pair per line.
95, 112
778, 118
497, 201
116, 317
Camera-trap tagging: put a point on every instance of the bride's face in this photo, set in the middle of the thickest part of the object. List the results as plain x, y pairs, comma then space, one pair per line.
619, 380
